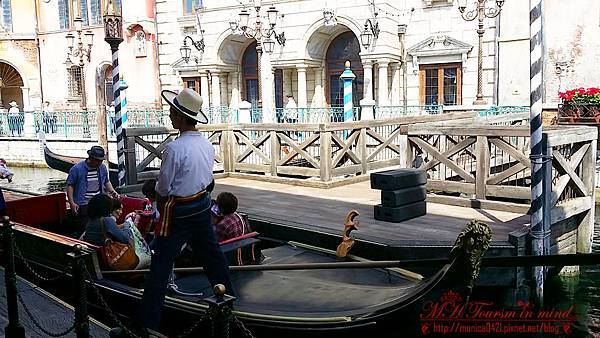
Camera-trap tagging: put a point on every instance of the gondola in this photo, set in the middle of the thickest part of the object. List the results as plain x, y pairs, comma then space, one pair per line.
307, 301
64, 163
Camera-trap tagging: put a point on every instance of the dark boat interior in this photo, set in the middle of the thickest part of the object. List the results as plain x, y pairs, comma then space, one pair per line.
293, 299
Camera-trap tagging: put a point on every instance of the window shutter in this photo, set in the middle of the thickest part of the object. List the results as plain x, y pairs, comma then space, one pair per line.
96, 12
84, 12
63, 14
6, 15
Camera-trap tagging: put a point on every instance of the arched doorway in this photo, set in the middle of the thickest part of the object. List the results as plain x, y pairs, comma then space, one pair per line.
11, 83
250, 75
345, 47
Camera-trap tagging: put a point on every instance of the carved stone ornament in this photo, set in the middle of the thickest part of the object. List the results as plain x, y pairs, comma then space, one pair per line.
439, 49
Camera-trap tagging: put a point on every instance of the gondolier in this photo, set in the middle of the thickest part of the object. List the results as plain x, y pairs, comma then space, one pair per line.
184, 204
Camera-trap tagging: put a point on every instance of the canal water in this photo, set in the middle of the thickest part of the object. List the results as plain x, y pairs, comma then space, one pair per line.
583, 291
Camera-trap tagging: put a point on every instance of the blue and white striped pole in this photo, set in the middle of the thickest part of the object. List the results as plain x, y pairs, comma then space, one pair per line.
118, 117
348, 77
122, 86
537, 173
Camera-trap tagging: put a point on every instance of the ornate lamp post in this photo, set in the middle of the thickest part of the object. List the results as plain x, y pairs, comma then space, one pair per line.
186, 51
84, 53
113, 35
481, 11
261, 32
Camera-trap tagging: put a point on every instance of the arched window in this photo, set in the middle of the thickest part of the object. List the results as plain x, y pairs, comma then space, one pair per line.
108, 86
343, 48
250, 75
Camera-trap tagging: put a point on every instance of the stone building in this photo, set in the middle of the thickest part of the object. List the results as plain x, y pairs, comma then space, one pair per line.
61, 78
19, 55
441, 52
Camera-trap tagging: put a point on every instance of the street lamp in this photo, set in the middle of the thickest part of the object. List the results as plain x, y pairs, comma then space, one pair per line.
481, 11
186, 51
262, 32
370, 32
83, 50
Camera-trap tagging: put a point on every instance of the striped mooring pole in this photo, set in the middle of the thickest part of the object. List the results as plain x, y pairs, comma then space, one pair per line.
122, 87
538, 230
348, 77
113, 31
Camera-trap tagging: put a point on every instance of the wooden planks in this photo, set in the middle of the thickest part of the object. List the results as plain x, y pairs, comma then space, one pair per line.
324, 210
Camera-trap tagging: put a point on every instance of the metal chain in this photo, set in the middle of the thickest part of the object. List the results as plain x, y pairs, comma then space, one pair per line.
204, 320
244, 330
30, 269
104, 304
39, 326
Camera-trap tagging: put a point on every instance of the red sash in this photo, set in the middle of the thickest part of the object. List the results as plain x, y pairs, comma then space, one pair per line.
166, 212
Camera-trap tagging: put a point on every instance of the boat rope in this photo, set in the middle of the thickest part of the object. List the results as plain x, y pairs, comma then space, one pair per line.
202, 322
31, 270
39, 326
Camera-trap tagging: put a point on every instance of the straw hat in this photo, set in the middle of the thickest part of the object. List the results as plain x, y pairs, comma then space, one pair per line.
188, 102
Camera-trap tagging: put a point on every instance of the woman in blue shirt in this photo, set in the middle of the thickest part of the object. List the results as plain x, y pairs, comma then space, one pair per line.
99, 209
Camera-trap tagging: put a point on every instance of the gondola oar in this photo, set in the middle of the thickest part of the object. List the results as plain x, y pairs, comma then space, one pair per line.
506, 261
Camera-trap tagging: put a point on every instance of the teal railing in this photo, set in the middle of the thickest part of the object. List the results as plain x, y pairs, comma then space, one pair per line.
388, 112
501, 110
313, 115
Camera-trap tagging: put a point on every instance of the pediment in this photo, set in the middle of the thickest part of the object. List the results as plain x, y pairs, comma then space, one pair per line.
439, 45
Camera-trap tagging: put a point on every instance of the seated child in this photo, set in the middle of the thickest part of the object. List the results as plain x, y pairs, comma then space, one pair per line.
228, 223
5, 172
148, 189
142, 249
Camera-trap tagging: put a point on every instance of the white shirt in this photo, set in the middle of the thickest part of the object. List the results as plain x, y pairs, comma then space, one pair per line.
187, 166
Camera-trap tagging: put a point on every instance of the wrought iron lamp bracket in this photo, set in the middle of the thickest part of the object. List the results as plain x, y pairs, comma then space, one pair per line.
374, 27
199, 45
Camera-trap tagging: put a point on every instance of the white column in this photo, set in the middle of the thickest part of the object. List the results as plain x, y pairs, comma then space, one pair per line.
382, 96
302, 100
318, 100
266, 87
235, 90
287, 82
367, 103
216, 89
368, 80
395, 95
204, 90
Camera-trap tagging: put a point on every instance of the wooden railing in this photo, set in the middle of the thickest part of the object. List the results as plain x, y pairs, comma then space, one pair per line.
461, 154
315, 153
492, 162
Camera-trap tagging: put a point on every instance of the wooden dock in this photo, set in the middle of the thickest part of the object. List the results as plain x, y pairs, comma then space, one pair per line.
324, 210
52, 313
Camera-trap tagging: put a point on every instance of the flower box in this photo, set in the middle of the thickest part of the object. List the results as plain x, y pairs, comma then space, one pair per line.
579, 106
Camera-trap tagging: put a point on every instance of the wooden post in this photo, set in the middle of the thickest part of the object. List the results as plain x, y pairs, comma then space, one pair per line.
362, 146
101, 111
325, 154
82, 323
275, 152
225, 145
483, 167
130, 160
588, 172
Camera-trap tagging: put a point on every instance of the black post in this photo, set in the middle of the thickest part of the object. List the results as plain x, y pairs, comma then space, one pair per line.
14, 328
82, 325
219, 309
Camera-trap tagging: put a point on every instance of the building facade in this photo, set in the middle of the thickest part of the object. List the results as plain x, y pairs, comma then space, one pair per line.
19, 55
65, 80
320, 35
